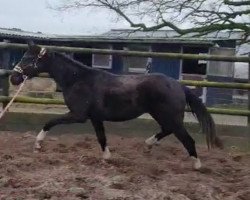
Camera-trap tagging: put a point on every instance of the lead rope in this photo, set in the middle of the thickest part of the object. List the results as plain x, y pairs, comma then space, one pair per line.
14, 97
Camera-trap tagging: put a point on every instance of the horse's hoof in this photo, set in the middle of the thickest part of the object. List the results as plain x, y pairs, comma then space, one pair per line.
37, 147
36, 151
151, 140
196, 163
106, 154
147, 148
158, 143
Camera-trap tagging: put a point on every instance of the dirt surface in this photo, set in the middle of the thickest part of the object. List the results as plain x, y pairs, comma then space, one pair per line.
70, 167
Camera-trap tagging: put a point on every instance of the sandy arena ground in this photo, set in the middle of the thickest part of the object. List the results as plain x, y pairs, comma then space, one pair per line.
70, 167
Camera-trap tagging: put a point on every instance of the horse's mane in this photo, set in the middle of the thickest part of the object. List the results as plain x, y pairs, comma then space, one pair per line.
72, 61
78, 64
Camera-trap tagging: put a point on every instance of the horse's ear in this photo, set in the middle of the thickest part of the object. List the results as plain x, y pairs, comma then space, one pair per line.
30, 43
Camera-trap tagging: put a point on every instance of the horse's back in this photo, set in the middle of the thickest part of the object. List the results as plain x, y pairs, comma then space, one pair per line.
153, 87
158, 90
162, 84
120, 97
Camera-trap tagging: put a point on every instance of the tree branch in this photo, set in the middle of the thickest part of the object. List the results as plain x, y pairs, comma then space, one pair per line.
237, 3
203, 16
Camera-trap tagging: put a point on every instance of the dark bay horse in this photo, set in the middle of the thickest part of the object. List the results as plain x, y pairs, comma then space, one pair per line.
102, 96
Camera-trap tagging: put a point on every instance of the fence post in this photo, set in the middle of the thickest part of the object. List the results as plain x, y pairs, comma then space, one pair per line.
5, 80
248, 120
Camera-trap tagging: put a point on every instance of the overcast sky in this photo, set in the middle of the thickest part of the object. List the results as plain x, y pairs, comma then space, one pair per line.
35, 15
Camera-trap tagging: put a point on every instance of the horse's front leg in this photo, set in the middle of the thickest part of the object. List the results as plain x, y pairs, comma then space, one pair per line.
68, 118
100, 133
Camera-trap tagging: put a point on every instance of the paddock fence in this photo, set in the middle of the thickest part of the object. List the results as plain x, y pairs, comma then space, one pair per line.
4, 74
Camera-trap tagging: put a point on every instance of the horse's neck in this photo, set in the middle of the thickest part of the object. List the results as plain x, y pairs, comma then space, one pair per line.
65, 73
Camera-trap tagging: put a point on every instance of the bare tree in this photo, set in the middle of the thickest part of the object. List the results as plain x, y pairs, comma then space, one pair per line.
202, 16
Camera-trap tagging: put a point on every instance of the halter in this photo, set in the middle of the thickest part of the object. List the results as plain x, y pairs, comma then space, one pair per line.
42, 52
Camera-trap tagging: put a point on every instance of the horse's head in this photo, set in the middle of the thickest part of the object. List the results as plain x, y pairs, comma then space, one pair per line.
32, 63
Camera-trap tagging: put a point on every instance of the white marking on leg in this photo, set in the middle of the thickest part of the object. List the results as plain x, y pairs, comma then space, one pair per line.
151, 140
196, 163
39, 138
41, 135
106, 153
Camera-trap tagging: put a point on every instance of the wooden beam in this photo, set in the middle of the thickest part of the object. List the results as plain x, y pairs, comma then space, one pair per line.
23, 99
5, 78
4, 45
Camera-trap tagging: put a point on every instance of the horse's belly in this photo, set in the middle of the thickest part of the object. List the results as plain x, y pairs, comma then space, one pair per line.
118, 114
122, 116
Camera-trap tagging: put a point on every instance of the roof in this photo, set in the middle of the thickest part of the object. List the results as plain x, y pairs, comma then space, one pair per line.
123, 36
171, 34
18, 33
243, 49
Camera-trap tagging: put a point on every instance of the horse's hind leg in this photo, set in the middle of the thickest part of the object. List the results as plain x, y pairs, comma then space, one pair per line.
100, 133
155, 139
165, 124
174, 124
183, 136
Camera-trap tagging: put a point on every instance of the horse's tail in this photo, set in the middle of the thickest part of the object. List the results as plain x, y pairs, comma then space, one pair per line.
205, 119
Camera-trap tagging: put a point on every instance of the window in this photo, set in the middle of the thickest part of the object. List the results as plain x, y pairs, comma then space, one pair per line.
103, 61
136, 64
220, 68
194, 66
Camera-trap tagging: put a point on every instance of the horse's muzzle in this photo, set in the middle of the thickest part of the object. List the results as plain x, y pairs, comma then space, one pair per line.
16, 78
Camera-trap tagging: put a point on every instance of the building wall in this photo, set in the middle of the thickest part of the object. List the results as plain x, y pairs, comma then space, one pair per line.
219, 71
219, 96
117, 64
169, 67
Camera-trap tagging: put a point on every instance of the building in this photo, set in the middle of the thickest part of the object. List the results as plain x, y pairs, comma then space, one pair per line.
222, 43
